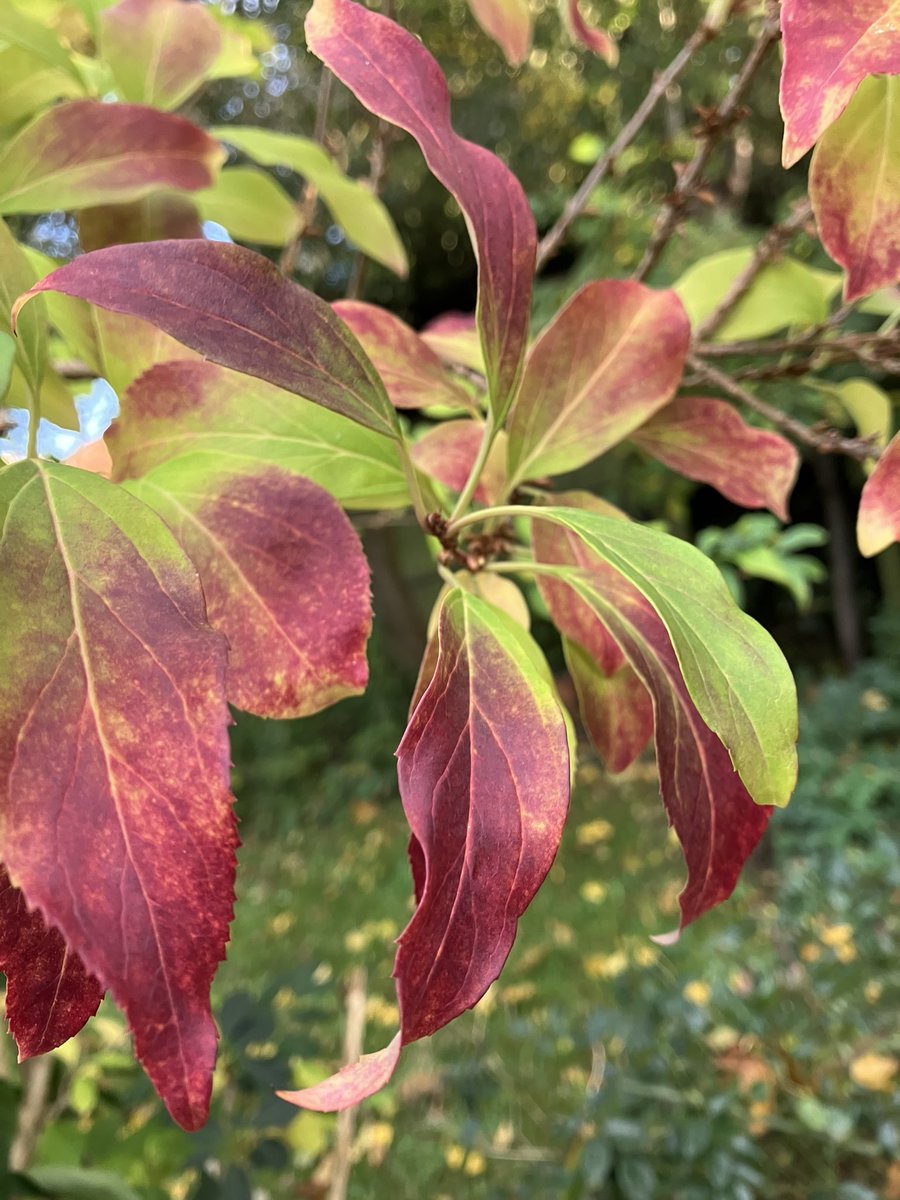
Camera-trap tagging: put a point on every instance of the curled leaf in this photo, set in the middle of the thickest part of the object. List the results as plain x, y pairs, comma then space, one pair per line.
878, 525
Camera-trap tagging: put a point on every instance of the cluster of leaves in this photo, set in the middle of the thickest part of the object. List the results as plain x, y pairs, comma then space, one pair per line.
217, 565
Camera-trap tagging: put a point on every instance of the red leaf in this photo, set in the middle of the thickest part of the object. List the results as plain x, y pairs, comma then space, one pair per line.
716, 820
84, 153
153, 219
828, 50
396, 78
508, 22
49, 994
447, 453
411, 372
351, 1084
595, 39
236, 309
284, 576
709, 441
453, 337
484, 776
114, 766
607, 361
879, 506
616, 709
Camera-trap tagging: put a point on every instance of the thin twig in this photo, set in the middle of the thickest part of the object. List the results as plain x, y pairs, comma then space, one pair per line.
354, 1033
766, 249
826, 441
309, 198
604, 165
385, 135
715, 123
870, 346
32, 1114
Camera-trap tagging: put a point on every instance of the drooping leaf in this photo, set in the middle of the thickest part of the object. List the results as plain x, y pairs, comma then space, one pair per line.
854, 185
709, 441
181, 407
508, 23
454, 339
28, 84
714, 816
155, 218
608, 360
114, 766
784, 293
353, 1083
594, 38
410, 370
49, 994
396, 78
235, 308
251, 205
84, 153
284, 576
733, 670
879, 506
57, 397
355, 207
160, 51
16, 276
616, 709
484, 777
828, 51
447, 453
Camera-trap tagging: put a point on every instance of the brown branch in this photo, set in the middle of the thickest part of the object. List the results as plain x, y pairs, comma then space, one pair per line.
384, 137
306, 205
825, 441
33, 1108
354, 1033
603, 166
765, 251
715, 123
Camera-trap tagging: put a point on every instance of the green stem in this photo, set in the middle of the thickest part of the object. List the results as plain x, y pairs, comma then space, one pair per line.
34, 421
465, 496
488, 514
412, 481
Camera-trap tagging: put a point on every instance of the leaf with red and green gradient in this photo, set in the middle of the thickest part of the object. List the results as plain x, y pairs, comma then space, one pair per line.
284, 576
616, 710
159, 51
854, 185
411, 372
155, 218
49, 994
180, 407
484, 777
878, 524
454, 338
396, 78
828, 50
235, 308
733, 670
85, 152
117, 818
595, 39
709, 441
447, 453
714, 816
508, 23
605, 363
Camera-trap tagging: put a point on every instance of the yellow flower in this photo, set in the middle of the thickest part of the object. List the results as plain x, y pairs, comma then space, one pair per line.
810, 952
593, 892
645, 956
475, 1163
836, 935
605, 966
454, 1157
873, 990
875, 1072
593, 832
846, 953
697, 992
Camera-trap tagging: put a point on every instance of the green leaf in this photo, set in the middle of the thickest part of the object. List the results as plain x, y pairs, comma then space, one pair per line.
784, 293
27, 83
80, 1183
16, 276
735, 673
251, 206
869, 407
187, 406
38, 39
356, 209
7, 358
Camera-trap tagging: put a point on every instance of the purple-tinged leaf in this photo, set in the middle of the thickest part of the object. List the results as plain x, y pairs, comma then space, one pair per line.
508, 23
447, 453
156, 218
616, 710
284, 576
878, 525
353, 1083
608, 360
595, 39
85, 153
709, 441
413, 375
236, 309
159, 51
396, 78
117, 818
484, 777
854, 185
716, 820
828, 50
49, 994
